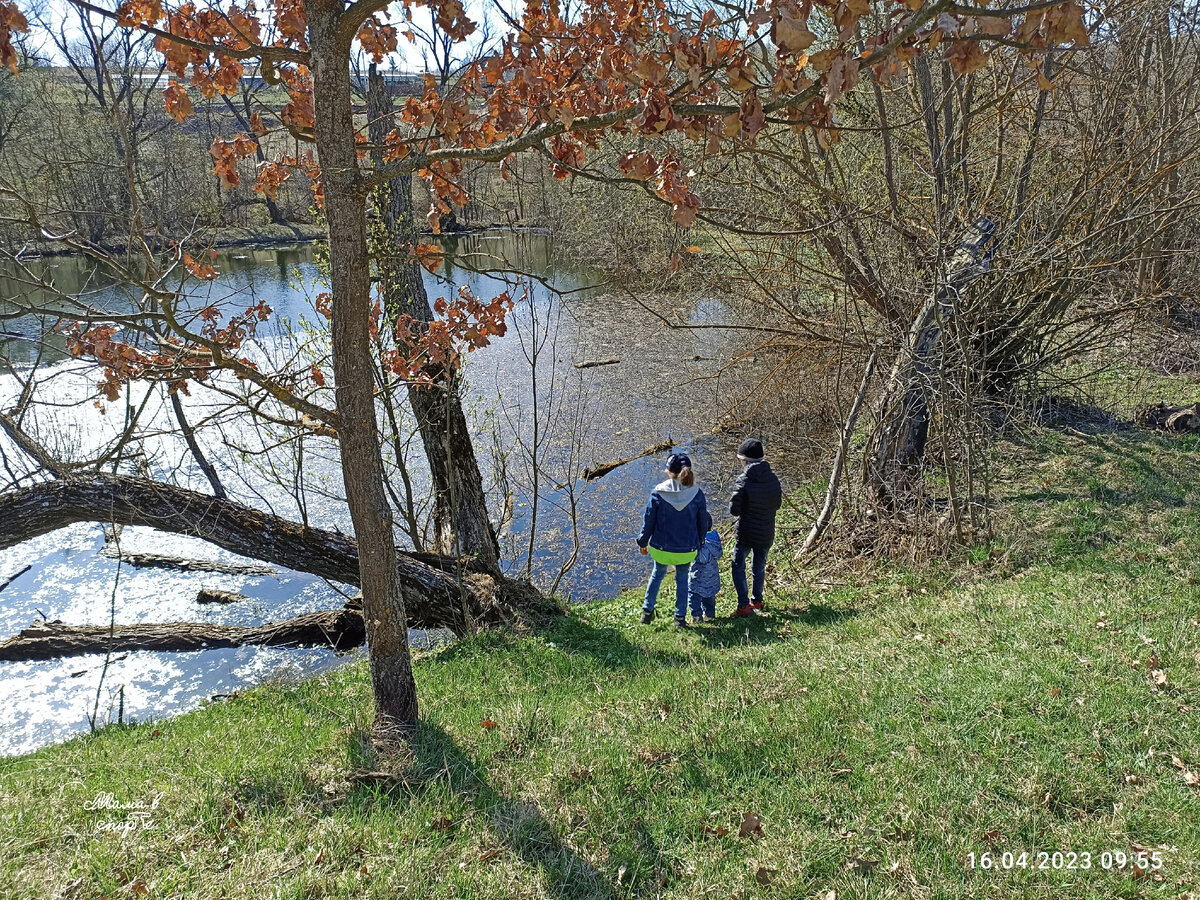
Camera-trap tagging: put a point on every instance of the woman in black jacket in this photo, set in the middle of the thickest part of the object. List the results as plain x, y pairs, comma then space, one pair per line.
757, 496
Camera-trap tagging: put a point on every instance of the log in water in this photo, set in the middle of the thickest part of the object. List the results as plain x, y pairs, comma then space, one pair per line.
338, 629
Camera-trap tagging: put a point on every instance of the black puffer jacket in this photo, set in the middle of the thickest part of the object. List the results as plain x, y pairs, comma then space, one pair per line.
757, 495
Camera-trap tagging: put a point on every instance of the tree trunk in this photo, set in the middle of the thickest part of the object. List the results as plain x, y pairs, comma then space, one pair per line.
436, 599
839, 459
1167, 193
339, 629
462, 525
362, 463
277, 217
193, 445
897, 453
894, 462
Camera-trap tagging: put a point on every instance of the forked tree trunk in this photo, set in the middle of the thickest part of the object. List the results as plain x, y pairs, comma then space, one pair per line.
362, 464
277, 217
461, 522
894, 460
896, 456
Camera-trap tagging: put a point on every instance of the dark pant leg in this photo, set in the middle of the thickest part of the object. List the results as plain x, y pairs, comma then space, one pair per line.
681, 590
657, 574
759, 570
739, 575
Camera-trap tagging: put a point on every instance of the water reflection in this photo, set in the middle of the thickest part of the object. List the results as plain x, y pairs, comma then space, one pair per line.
658, 390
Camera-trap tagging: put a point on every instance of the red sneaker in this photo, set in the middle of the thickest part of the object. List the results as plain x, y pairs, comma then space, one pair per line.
758, 605
747, 610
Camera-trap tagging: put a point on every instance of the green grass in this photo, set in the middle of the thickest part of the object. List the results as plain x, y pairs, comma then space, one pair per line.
882, 730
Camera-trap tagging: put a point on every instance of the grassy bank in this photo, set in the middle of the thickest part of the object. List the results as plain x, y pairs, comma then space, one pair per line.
1038, 694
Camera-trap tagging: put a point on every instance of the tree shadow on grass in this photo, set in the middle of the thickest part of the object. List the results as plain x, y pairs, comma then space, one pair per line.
1141, 480
1043, 496
608, 646
771, 625
605, 645
515, 822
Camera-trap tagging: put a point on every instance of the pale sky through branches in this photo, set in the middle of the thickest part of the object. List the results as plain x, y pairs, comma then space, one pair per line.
411, 56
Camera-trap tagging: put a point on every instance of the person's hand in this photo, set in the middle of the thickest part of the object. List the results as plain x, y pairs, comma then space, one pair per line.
643, 551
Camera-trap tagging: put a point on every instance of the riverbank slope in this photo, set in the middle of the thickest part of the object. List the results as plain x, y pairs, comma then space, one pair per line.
864, 737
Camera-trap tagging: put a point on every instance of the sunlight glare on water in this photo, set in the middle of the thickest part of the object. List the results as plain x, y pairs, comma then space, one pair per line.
651, 395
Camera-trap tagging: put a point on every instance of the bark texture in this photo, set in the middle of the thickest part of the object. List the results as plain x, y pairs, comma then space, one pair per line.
437, 600
1172, 419
339, 629
345, 194
897, 454
461, 522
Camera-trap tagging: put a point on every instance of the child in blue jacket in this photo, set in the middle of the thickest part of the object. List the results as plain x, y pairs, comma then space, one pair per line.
673, 529
704, 579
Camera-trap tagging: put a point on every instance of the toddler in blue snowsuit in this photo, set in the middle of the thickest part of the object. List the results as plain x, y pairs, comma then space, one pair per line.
704, 579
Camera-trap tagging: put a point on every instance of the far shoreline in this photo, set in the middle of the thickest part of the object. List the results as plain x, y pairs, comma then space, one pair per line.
260, 236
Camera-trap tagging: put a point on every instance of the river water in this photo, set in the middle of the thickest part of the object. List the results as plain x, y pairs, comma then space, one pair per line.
658, 391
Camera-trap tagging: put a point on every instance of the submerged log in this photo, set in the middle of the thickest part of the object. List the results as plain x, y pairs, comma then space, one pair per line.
600, 471
183, 564
212, 595
13, 577
597, 363
1172, 419
440, 592
339, 629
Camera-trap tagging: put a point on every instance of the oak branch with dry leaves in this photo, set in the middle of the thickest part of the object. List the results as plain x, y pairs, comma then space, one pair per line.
686, 83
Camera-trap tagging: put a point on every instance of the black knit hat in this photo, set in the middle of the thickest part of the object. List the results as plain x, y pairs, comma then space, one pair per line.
676, 462
751, 448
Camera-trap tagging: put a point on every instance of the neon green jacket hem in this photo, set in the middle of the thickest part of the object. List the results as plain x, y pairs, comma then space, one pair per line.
666, 558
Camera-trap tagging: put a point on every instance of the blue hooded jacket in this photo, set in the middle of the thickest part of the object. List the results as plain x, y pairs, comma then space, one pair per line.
676, 518
704, 578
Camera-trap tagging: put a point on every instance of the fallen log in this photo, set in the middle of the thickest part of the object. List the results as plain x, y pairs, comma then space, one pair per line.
212, 595
338, 629
600, 471
11, 578
596, 363
1172, 419
439, 592
183, 564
